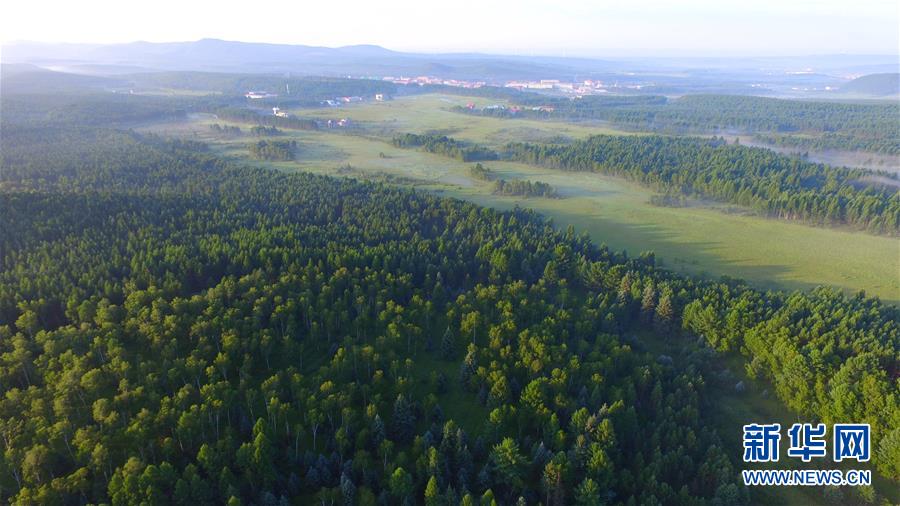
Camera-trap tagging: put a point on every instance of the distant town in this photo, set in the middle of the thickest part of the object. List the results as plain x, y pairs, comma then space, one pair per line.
585, 87
574, 89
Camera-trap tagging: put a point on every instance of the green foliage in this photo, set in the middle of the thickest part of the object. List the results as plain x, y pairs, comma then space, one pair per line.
523, 188
443, 145
481, 172
280, 150
227, 130
772, 184
264, 131
518, 187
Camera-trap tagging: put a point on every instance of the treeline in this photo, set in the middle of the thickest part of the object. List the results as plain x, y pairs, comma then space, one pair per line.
443, 145
772, 184
517, 187
538, 106
229, 130
278, 150
175, 329
263, 131
524, 188
295, 91
669, 200
235, 131
823, 125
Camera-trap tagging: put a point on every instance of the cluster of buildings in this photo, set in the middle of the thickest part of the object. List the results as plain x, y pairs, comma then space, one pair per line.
331, 123
339, 101
586, 87
423, 80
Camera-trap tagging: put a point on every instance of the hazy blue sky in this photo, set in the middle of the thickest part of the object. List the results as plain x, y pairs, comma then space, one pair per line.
573, 27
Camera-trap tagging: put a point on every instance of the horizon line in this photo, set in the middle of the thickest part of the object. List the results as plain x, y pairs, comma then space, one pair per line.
579, 53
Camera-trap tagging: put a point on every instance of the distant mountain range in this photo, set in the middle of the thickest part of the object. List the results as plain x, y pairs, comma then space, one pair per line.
229, 56
771, 75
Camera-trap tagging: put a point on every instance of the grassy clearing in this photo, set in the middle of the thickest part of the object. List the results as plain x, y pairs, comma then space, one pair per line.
704, 239
456, 404
430, 113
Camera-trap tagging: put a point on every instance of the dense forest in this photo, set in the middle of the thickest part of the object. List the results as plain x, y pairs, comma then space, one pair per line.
93, 109
757, 178
833, 125
177, 329
443, 145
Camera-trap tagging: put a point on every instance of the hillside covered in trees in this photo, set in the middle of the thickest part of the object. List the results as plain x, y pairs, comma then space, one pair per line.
825, 125
886, 84
177, 329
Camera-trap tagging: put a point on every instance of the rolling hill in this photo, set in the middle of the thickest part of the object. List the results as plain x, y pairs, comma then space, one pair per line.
874, 84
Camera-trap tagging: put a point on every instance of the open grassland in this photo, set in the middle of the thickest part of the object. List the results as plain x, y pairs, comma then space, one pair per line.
704, 238
431, 113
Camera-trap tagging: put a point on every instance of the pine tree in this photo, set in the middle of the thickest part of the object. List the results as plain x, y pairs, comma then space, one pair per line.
648, 302
404, 420
665, 313
432, 494
588, 493
448, 347
378, 433
348, 490
624, 292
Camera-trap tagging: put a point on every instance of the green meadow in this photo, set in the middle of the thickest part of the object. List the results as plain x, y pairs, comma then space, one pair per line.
431, 113
703, 238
